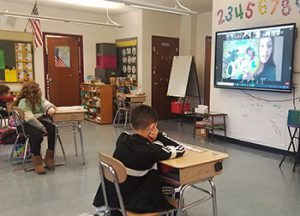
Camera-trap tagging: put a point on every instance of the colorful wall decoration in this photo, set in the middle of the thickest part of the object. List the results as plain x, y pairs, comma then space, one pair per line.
249, 9
127, 58
16, 61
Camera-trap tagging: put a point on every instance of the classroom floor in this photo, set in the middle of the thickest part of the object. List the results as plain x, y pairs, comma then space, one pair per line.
251, 183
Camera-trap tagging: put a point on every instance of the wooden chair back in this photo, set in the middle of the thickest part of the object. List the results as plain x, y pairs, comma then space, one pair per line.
117, 166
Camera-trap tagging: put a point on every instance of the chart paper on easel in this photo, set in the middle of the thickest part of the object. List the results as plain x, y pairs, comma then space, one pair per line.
179, 76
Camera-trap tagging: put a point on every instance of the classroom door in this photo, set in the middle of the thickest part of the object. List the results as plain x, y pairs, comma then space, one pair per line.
207, 65
163, 51
64, 69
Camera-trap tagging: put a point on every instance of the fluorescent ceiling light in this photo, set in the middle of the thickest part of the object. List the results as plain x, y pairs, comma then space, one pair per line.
177, 9
48, 18
159, 9
90, 3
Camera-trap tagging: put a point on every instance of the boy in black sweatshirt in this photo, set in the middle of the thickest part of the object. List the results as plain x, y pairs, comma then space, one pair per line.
140, 152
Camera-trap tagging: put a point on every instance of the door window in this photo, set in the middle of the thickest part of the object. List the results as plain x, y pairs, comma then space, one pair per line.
62, 56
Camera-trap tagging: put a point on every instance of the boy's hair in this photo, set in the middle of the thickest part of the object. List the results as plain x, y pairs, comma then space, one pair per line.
4, 89
142, 116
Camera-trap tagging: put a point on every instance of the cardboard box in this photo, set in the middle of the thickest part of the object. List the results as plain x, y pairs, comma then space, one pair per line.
201, 132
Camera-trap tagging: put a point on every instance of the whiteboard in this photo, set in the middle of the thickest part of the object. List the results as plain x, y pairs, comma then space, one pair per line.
179, 76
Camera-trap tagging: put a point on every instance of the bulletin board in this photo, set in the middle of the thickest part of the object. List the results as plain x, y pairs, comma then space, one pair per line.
16, 57
127, 58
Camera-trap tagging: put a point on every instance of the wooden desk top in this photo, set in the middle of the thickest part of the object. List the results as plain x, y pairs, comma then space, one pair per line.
195, 156
196, 165
135, 95
70, 109
72, 113
209, 114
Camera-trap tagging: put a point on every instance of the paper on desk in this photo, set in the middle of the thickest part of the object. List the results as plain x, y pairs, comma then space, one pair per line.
192, 148
70, 108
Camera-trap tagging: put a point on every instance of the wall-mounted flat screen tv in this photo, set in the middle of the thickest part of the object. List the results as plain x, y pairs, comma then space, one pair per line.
258, 58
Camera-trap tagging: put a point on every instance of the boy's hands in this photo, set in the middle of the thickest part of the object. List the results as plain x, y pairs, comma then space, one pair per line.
153, 132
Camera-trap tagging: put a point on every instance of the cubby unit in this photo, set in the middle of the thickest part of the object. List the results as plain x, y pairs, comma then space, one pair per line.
97, 100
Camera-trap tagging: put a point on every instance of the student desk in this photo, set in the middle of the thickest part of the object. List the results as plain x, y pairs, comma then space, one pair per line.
66, 117
195, 166
134, 99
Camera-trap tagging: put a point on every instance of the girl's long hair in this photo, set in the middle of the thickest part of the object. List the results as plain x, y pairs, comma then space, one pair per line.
31, 92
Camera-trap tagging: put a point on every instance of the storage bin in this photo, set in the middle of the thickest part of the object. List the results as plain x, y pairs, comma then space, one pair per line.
106, 62
106, 49
179, 107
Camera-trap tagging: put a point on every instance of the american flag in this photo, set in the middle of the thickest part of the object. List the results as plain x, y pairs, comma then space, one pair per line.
36, 28
59, 62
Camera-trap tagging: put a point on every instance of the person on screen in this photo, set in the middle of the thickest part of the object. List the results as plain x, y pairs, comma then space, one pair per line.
266, 70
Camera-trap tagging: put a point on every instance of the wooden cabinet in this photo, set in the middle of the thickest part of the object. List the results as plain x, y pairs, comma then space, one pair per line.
97, 99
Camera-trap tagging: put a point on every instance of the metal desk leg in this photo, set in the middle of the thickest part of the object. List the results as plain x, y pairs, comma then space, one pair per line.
212, 129
62, 149
57, 137
292, 137
297, 155
181, 200
75, 140
214, 197
224, 121
81, 142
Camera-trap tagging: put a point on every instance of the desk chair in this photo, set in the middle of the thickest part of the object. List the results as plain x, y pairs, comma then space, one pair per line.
114, 171
123, 109
18, 118
293, 122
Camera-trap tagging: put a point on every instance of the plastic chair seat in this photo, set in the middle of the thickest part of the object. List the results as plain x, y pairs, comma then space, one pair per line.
114, 171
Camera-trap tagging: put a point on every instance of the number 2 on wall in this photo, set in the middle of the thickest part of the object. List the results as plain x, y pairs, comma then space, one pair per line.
220, 13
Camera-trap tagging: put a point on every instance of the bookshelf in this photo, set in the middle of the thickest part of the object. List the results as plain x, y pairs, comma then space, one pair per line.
97, 99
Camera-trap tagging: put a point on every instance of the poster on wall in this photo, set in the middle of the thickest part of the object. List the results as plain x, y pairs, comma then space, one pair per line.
127, 58
24, 62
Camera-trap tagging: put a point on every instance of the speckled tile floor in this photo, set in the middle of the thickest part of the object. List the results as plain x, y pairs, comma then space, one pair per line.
251, 183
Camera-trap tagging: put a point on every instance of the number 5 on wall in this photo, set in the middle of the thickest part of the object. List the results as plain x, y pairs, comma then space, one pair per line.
249, 10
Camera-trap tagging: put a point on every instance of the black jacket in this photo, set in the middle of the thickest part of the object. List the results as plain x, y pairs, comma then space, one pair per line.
141, 191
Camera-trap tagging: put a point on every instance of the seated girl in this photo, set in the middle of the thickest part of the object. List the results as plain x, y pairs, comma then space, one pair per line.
38, 112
